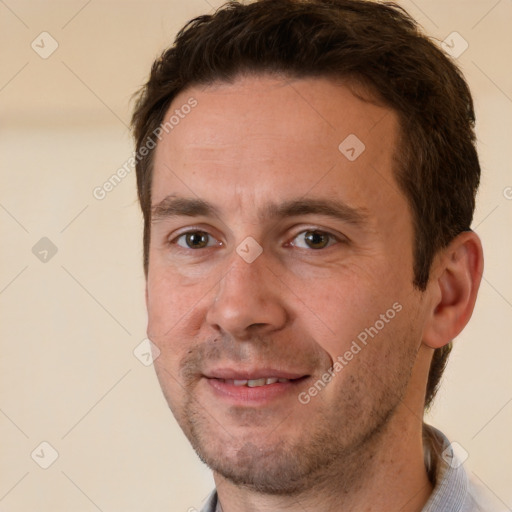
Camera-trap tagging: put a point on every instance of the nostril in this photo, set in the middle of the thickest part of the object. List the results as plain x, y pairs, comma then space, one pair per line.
256, 326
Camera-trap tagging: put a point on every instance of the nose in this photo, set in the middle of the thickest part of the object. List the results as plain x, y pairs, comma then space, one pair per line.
249, 300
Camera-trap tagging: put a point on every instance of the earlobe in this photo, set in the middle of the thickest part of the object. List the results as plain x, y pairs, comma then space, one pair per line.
454, 287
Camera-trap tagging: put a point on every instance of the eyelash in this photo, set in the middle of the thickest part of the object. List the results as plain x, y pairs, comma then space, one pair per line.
335, 238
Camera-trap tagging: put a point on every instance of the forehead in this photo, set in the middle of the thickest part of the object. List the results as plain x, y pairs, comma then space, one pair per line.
265, 139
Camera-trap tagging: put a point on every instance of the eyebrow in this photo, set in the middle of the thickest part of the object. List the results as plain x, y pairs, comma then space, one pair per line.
172, 206
327, 207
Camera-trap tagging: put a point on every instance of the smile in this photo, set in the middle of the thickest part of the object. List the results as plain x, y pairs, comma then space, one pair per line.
254, 383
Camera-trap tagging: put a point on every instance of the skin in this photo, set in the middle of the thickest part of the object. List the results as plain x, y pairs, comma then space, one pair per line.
356, 445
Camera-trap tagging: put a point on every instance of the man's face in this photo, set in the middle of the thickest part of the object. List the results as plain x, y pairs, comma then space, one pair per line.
275, 255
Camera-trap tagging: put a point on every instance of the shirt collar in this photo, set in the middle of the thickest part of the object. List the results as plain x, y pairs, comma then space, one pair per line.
446, 472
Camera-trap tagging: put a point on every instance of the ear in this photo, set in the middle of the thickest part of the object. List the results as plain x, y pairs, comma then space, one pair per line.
454, 283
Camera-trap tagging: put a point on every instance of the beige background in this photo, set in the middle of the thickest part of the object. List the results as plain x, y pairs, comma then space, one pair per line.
69, 326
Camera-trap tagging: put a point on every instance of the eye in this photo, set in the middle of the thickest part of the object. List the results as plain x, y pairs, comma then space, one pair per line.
195, 240
314, 239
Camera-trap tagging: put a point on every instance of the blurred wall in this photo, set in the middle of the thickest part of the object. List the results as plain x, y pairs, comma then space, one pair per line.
72, 373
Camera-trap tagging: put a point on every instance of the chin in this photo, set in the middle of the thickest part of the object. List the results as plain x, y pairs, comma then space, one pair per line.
273, 471
276, 468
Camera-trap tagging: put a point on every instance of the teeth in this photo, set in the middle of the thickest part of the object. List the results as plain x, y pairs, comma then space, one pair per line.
254, 383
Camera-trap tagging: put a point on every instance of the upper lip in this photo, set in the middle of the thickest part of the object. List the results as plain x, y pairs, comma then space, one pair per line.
251, 374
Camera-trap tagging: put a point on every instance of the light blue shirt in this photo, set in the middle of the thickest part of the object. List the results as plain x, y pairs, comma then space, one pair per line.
452, 489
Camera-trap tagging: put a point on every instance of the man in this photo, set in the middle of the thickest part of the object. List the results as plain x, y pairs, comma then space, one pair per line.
307, 173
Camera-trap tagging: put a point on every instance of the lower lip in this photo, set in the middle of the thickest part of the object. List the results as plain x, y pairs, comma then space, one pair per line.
239, 395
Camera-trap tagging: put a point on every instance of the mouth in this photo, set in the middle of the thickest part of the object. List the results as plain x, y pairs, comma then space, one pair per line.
255, 383
255, 387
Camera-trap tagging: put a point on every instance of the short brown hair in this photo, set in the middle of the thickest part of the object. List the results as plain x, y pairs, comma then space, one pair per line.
377, 45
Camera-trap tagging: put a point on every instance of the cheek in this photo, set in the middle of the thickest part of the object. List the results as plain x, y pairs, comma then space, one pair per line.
373, 365
172, 304
349, 308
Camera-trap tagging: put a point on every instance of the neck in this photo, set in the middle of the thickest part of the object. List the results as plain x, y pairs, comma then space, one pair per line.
387, 474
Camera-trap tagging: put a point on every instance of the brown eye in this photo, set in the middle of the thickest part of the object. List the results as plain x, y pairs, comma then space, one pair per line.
316, 239
194, 240
313, 239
